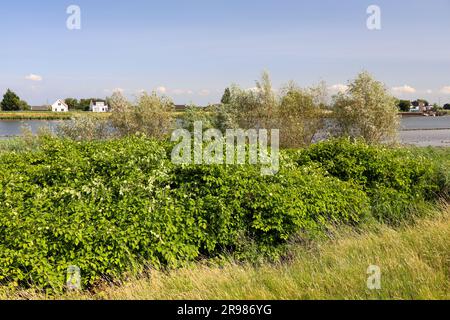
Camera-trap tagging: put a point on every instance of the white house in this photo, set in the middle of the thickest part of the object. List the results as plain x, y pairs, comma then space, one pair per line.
60, 106
98, 106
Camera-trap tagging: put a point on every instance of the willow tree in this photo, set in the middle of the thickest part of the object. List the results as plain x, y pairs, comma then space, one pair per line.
296, 112
151, 115
366, 110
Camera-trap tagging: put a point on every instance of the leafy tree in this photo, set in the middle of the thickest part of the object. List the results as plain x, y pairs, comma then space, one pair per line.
295, 111
72, 103
24, 106
152, 115
254, 108
84, 104
417, 102
226, 96
447, 106
366, 110
436, 107
404, 105
11, 101
300, 115
193, 114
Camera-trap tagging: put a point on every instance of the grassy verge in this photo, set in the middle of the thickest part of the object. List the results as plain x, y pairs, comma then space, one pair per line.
47, 115
414, 261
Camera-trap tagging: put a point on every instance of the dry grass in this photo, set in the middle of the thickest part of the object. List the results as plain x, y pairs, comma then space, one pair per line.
414, 260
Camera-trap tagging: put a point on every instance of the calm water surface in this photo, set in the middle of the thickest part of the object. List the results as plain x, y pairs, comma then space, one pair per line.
13, 128
414, 123
421, 131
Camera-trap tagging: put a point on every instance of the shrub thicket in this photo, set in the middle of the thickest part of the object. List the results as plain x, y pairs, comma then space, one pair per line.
117, 206
394, 179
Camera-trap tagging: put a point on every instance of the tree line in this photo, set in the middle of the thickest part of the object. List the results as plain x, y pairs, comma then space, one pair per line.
406, 105
365, 110
12, 102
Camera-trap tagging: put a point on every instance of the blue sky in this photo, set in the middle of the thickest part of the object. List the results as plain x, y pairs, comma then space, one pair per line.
193, 49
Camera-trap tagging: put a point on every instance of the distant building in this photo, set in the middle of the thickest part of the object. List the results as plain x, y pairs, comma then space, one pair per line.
40, 108
180, 107
98, 106
60, 106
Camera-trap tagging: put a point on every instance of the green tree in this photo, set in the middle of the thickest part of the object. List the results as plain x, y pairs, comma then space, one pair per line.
84, 104
296, 112
447, 106
195, 113
11, 101
404, 105
366, 110
226, 98
24, 106
72, 103
152, 115
436, 107
418, 101
300, 114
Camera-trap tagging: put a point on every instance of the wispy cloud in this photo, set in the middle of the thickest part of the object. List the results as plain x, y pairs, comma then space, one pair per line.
34, 77
253, 89
445, 90
404, 89
204, 93
338, 88
161, 90
179, 92
118, 90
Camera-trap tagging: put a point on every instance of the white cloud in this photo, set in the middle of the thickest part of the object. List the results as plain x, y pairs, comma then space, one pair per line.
445, 90
179, 92
254, 89
33, 77
161, 89
429, 91
404, 89
110, 91
204, 92
338, 88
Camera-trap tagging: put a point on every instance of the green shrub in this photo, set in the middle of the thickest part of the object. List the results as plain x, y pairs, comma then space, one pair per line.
117, 206
238, 201
393, 178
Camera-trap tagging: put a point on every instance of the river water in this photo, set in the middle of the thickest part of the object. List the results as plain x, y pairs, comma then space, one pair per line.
420, 131
13, 128
425, 131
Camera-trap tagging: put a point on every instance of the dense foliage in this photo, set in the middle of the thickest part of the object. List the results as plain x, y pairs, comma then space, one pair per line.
297, 112
394, 179
366, 110
120, 206
12, 102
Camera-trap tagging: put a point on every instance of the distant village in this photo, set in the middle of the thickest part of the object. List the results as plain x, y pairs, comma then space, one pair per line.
61, 106
96, 106
406, 107
12, 102
421, 108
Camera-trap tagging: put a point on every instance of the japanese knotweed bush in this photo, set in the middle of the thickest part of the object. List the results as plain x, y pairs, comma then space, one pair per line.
394, 178
238, 200
118, 206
